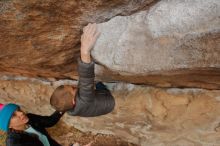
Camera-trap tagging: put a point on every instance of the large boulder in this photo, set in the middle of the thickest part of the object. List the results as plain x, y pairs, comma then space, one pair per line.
165, 43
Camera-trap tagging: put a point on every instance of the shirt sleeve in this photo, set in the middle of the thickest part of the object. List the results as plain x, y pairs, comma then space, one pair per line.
86, 81
46, 121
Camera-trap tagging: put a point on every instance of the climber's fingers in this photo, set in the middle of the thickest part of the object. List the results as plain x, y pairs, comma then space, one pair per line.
96, 35
90, 29
94, 29
90, 32
85, 28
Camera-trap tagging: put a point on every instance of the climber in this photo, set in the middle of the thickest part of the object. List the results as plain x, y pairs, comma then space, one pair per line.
20, 129
84, 100
26, 129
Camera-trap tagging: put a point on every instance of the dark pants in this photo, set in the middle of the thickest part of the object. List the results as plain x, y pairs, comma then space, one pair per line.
100, 86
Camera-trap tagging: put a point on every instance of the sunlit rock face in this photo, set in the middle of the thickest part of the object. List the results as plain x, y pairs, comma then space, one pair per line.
143, 115
174, 43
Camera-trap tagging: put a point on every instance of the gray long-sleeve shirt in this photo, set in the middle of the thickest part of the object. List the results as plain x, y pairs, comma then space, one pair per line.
90, 102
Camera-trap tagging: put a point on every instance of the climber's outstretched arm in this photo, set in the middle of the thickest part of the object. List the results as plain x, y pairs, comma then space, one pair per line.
88, 39
90, 102
85, 64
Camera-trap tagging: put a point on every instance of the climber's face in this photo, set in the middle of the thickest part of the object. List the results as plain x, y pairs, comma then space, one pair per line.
18, 120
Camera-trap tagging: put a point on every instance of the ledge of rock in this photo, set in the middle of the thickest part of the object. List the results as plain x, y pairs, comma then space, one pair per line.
174, 43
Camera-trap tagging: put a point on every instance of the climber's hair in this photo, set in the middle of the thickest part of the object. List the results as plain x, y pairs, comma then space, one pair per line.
61, 99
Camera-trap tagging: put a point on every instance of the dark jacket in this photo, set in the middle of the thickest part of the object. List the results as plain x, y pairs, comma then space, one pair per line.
39, 123
90, 102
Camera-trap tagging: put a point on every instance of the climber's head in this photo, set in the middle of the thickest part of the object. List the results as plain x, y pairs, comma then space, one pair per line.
63, 97
11, 117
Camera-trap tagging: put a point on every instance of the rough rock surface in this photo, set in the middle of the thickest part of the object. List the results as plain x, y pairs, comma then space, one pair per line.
143, 115
166, 43
170, 39
175, 42
41, 37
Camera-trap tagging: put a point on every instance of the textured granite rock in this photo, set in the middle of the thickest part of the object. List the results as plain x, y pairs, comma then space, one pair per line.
174, 43
163, 43
143, 115
41, 37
